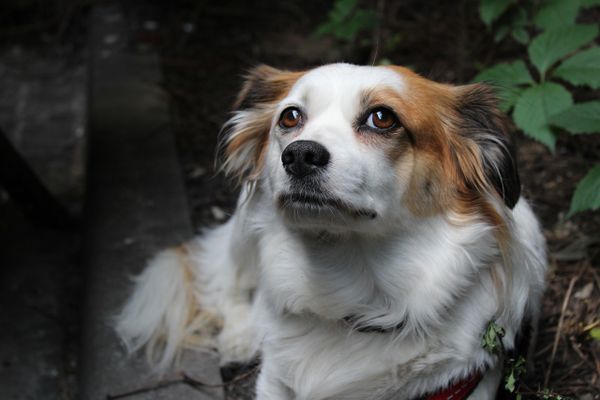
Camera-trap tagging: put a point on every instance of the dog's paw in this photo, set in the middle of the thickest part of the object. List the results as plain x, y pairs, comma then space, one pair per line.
237, 340
236, 346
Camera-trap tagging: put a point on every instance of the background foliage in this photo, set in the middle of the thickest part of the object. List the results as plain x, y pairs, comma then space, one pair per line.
536, 89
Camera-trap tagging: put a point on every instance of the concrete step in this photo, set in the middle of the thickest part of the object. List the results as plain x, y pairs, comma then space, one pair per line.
136, 205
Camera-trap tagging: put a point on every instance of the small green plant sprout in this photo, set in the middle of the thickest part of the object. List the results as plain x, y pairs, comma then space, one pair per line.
547, 394
536, 90
514, 369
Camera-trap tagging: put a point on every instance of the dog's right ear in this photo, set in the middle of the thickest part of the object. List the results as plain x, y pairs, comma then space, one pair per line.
244, 137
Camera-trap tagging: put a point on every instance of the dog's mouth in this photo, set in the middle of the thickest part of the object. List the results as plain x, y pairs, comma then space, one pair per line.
327, 205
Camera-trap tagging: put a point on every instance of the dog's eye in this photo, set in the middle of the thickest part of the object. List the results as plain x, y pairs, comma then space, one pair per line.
290, 118
381, 118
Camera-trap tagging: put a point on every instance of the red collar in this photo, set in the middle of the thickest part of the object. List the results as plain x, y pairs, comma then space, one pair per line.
458, 391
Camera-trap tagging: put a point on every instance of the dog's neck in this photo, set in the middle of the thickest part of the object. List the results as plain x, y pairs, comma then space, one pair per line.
376, 281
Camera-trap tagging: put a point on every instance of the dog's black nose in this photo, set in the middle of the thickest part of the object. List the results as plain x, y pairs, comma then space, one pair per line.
304, 157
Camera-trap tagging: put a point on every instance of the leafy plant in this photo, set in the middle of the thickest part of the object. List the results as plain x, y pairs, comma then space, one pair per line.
514, 368
510, 19
533, 90
346, 20
549, 395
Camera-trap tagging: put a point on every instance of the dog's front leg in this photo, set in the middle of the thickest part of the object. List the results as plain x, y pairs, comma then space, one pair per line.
237, 339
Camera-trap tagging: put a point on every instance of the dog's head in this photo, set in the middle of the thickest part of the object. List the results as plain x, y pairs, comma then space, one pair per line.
345, 147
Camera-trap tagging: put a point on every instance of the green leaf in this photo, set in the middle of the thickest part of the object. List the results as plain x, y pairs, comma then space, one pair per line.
520, 35
579, 118
505, 78
535, 107
324, 29
589, 3
587, 193
491, 10
556, 13
342, 9
492, 338
511, 383
506, 74
581, 69
554, 44
595, 334
501, 33
508, 97
337, 19
360, 20
514, 369
520, 18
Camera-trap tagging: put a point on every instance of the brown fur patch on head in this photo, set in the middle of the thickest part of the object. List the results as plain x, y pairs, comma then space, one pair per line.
423, 108
462, 154
243, 139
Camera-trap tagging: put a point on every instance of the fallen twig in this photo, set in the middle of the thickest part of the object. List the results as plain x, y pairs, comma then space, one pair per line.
142, 390
184, 379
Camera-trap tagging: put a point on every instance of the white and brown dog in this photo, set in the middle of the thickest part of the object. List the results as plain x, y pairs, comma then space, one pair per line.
379, 230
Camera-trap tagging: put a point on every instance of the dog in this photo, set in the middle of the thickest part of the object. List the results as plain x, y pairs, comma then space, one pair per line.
379, 229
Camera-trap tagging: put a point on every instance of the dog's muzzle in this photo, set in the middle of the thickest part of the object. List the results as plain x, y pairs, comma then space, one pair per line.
303, 161
304, 157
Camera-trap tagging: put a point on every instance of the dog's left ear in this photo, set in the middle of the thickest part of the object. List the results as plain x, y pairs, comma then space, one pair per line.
243, 139
483, 124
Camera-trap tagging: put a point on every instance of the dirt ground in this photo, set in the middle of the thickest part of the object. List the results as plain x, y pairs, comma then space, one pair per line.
445, 42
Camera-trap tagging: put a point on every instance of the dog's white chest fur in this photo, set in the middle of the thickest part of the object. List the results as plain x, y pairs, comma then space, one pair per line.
335, 276
379, 230
434, 285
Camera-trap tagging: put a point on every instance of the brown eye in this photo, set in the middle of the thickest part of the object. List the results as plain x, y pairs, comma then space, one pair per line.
381, 118
290, 118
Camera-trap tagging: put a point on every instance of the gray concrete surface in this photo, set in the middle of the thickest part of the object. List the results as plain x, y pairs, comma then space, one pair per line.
136, 205
42, 110
39, 313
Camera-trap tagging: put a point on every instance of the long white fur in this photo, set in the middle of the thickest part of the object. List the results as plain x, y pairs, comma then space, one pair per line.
280, 287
